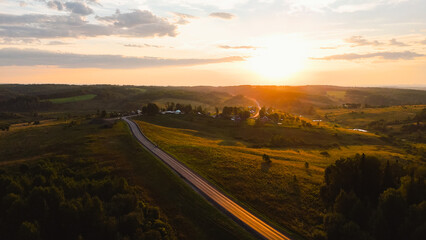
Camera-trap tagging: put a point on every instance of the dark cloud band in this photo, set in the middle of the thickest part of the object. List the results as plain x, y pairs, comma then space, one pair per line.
133, 24
32, 57
223, 15
406, 55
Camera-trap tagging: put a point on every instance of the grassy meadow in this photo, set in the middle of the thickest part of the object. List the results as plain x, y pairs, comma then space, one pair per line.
72, 99
285, 191
360, 118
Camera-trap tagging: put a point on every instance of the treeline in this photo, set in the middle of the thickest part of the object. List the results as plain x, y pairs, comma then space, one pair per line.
74, 199
385, 96
152, 108
366, 200
227, 112
211, 98
117, 98
24, 104
186, 108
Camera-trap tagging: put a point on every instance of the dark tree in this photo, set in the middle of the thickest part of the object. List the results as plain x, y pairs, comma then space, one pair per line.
227, 112
152, 109
325, 154
266, 158
262, 112
244, 115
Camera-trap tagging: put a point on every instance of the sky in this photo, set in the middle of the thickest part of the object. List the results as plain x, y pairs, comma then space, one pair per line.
217, 43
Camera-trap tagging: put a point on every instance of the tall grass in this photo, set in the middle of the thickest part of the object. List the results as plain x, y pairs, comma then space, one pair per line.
285, 190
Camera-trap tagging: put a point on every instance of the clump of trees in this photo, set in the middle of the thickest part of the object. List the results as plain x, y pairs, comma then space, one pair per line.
370, 200
24, 104
4, 126
56, 199
150, 109
186, 108
242, 113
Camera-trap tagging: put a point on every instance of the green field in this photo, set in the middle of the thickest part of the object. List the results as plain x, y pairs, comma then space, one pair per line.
337, 94
72, 99
285, 191
190, 216
360, 118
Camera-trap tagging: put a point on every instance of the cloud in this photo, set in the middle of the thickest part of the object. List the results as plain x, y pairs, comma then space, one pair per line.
22, 4
29, 41
237, 47
22, 41
183, 18
203, 4
133, 24
140, 23
57, 43
143, 45
423, 42
350, 8
183, 15
55, 5
222, 15
94, 2
338, 6
78, 8
406, 55
361, 41
33, 57
394, 42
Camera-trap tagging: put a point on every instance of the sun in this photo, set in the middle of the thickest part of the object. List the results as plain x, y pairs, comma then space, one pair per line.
279, 59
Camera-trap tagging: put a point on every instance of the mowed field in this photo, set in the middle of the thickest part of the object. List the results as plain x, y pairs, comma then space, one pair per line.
285, 191
113, 147
73, 99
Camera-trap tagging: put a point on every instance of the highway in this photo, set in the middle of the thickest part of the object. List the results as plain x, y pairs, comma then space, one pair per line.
247, 219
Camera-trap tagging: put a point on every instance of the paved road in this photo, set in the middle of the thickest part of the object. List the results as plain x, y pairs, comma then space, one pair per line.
258, 107
248, 219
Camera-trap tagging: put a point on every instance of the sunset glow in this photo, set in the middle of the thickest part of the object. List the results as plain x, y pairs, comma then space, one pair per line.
196, 42
279, 59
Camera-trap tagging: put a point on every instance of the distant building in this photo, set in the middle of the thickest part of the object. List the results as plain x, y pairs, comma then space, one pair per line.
172, 112
264, 119
351, 105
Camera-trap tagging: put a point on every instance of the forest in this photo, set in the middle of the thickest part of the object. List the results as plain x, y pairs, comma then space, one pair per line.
59, 198
366, 200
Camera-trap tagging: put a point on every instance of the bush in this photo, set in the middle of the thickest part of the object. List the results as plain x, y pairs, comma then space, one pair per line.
266, 158
325, 154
